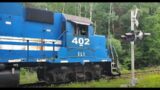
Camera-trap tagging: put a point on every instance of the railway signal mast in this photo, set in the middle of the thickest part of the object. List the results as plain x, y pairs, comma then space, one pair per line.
132, 37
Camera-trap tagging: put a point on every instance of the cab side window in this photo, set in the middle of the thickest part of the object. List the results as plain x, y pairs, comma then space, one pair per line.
80, 30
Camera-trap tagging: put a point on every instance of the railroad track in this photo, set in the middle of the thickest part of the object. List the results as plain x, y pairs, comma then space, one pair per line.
125, 75
40, 84
138, 73
34, 85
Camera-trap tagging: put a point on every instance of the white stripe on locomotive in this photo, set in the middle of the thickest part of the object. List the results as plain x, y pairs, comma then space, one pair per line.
64, 61
104, 60
14, 60
24, 47
22, 39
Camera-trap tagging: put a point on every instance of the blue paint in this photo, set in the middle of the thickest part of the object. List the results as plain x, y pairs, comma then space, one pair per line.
15, 13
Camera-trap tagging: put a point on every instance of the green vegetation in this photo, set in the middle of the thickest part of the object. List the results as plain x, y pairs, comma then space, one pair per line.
101, 83
144, 81
27, 77
150, 79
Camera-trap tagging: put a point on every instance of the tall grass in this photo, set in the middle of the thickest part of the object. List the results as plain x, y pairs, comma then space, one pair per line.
149, 81
144, 81
115, 83
27, 77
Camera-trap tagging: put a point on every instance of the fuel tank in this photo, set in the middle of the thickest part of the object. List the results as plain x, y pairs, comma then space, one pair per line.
8, 78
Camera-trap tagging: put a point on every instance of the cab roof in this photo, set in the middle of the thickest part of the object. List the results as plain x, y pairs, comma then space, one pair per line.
77, 19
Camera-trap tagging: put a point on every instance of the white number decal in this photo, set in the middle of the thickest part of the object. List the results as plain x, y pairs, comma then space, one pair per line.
81, 41
75, 40
86, 41
81, 53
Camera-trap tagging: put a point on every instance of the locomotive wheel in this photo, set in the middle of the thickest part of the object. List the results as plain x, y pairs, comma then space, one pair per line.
88, 76
40, 75
49, 77
97, 72
59, 75
70, 77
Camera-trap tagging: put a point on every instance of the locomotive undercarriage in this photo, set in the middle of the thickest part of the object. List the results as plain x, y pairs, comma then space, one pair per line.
55, 73
73, 72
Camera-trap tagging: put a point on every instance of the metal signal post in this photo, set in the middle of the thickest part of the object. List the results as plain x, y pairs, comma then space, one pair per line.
132, 37
134, 22
133, 80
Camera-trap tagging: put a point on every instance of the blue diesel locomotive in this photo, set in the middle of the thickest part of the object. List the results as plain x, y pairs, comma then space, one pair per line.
61, 47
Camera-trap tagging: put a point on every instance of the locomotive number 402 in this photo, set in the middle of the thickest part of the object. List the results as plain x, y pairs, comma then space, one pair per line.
81, 41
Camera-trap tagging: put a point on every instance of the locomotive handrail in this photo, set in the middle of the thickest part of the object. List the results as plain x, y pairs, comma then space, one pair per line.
37, 40
18, 39
61, 35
